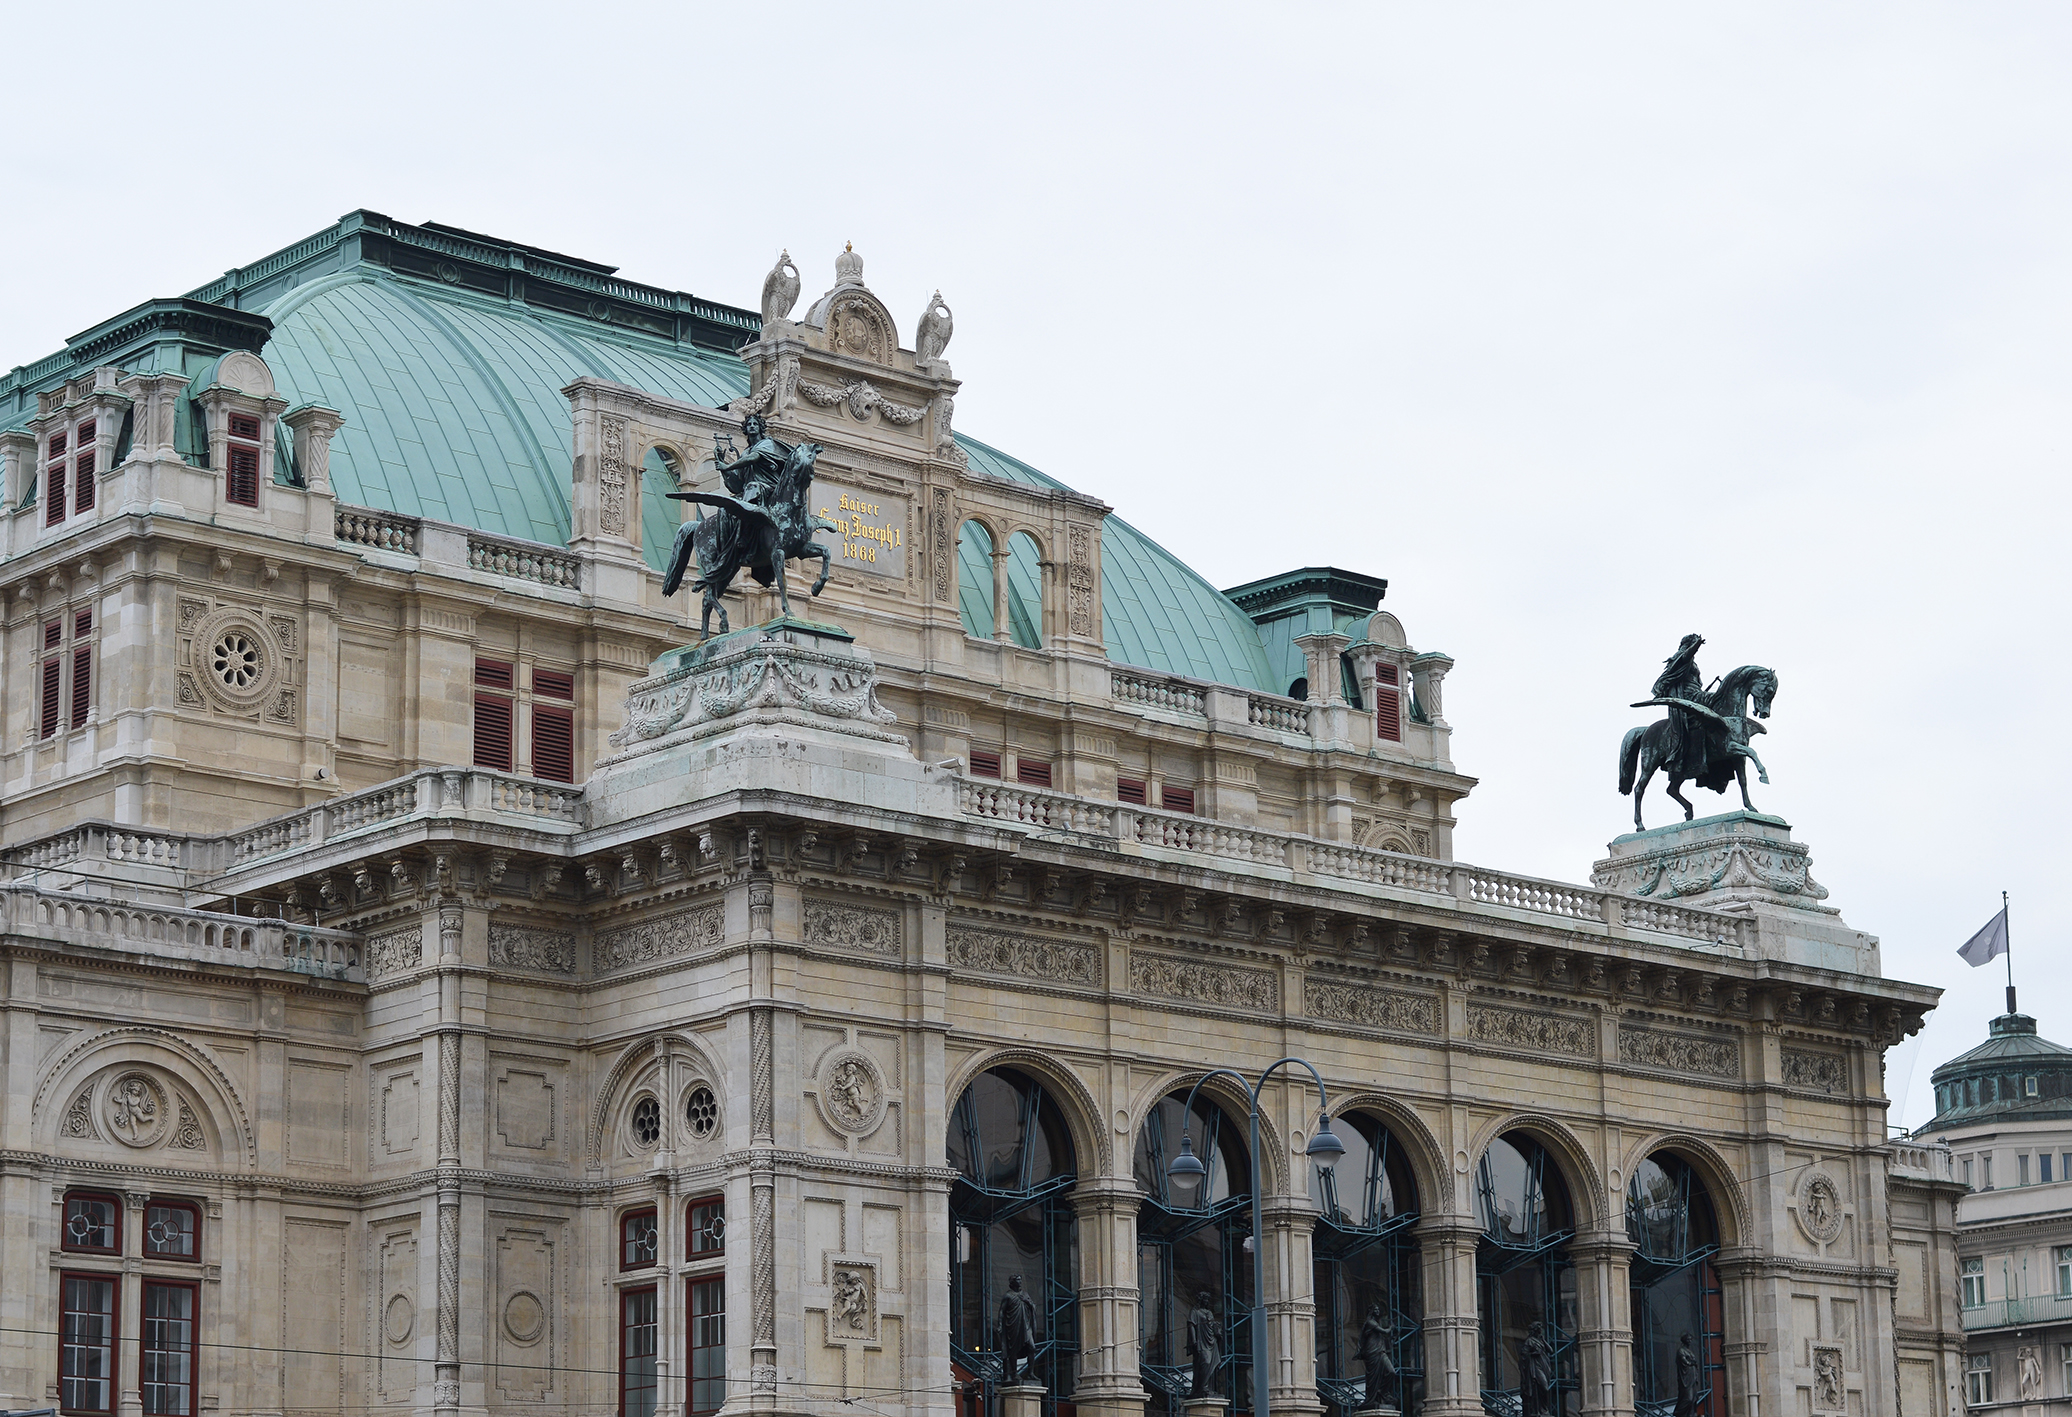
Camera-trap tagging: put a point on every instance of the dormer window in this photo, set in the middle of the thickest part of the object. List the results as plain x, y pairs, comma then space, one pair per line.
241, 476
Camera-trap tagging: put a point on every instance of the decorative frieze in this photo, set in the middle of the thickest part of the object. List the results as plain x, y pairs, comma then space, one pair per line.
1820, 1072
1531, 1028
681, 933
1197, 982
515, 947
1680, 1052
859, 928
1372, 1008
1025, 957
395, 951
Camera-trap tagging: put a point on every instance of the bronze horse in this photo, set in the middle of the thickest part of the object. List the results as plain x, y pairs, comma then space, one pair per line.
1715, 748
747, 533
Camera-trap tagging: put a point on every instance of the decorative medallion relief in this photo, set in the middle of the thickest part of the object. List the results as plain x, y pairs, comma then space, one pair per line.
525, 1318
395, 951
1024, 957
136, 1108
685, 932
515, 947
852, 1092
857, 928
1371, 1007
238, 661
1818, 1072
852, 1301
398, 1319
1194, 981
858, 325
1819, 1209
1680, 1052
1540, 1032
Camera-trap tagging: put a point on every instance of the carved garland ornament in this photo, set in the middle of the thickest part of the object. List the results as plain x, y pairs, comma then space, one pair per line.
996, 952
684, 932
1374, 1008
853, 927
1227, 986
549, 951
1540, 1032
1679, 1052
861, 396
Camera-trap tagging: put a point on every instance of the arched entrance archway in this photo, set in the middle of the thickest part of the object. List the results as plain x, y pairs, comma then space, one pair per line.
1366, 1255
1011, 1214
1676, 1290
1185, 1251
1525, 1282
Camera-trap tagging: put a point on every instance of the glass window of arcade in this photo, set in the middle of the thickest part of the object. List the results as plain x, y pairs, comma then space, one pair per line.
1195, 1254
1369, 1275
1679, 1344
1525, 1282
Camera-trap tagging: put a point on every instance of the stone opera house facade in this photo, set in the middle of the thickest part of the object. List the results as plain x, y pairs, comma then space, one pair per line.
430, 988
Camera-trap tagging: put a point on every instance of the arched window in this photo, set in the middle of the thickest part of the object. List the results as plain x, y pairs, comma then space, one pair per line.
661, 472
1367, 1261
1199, 1248
1011, 1216
1678, 1317
975, 579
1525, 1282
1024, 591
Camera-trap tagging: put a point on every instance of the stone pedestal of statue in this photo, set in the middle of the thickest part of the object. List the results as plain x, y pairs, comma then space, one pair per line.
1022, 1400
1208, 1407
1739, 863
1379, 1412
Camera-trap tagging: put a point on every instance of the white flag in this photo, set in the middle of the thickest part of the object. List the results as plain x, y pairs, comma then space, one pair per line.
1988, 944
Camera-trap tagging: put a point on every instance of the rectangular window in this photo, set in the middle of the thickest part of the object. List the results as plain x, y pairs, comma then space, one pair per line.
83, 481
1978, 1380
167, 1374
2028, 1087
53, 631
1388, 704
1129, 789
1967, 1170
1036, 774
86, 1343
984, 764
54, 482
637, 1230
2022, 1168
1177, 799
2064, 1259
553, 684
553, 743
493, 674
93, 1224
82, 624
82, 684
708, 1315
637, 1352
492, 732
2065, 1362
2065, 1166
708, 1227
241, 484
1985, 1171
51, 669
172, 1231
2042, 1168
1972, 1282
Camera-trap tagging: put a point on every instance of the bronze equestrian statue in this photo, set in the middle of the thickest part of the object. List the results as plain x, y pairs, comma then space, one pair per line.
761, 522
1706, 737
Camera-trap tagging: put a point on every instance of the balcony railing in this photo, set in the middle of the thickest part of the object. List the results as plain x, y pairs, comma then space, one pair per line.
428, 792
206, 936
2010, 1313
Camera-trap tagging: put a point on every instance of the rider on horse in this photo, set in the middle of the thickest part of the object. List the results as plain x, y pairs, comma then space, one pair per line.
1690, 735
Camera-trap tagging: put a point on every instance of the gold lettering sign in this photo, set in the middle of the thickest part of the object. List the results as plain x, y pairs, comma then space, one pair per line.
873, 530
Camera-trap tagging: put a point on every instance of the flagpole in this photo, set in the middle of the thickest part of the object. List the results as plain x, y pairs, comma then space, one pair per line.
2007, 949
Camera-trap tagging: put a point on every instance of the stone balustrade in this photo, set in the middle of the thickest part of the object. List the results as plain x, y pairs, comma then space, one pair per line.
91, 844
382, 531
435, 792
1155, 691
205, 936
1273, 712
524, 561
1923, 1160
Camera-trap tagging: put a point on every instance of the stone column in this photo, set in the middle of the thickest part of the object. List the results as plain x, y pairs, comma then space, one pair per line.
129, 1360
1109, 1300
762, 1212
313, 427
1000, 623
1320, 652
1291, 1304
1604, 1338
446, 1375
1452, 1328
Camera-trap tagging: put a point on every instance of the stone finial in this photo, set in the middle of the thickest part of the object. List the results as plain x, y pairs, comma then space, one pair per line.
848, 266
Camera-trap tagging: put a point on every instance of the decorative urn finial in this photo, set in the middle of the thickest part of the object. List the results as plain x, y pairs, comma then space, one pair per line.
848, 266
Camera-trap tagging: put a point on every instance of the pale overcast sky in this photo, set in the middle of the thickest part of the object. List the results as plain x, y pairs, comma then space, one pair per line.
1586, 325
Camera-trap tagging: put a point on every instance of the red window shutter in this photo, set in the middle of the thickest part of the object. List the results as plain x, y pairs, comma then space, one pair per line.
54, 495
493, 674
492, 732
243, 486
1129, 789
552, 684
1033, 773
984, 764
50, 697
553, 744
1388, 704
1177, 799
83, 481
243, 427
86, 432
58, 445
83, 623
53, 631
82, 684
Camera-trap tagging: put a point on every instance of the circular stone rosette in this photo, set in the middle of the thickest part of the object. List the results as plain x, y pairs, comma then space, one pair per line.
852, 1092
235, 660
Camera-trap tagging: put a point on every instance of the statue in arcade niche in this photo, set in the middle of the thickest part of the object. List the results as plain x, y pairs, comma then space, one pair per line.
1536, 1374
1204, 1345
1017, 1333
1375, 1343
761, 522
1706, 738
1686, 1379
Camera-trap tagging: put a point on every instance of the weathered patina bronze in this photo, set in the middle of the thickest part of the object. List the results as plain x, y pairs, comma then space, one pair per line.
1706, 738
761, 521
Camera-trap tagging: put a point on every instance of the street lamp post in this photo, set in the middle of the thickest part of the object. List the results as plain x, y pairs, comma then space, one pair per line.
1187, 1172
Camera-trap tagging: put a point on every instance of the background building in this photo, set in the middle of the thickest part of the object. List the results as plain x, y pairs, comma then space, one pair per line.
2004, 1110
426, 991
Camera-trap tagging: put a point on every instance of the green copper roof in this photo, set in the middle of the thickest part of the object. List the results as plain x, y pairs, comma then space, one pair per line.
447, 352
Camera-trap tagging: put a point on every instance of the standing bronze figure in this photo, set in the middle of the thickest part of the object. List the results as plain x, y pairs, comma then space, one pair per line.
1017, 1333
1706, 737
1375, 1342
761, 523
1536, 1373
1686, 1379
1204, 1345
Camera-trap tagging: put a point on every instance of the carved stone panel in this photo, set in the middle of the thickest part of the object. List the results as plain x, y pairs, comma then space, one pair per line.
1820, 1072
1532, 1029
851, 1092
1024, 956
852, 1308
394, 951
680, 933
526, 1112
548, 951
1373, 1007
611, 476
1197, 981
525, 1311
1680, 1052
859, 928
